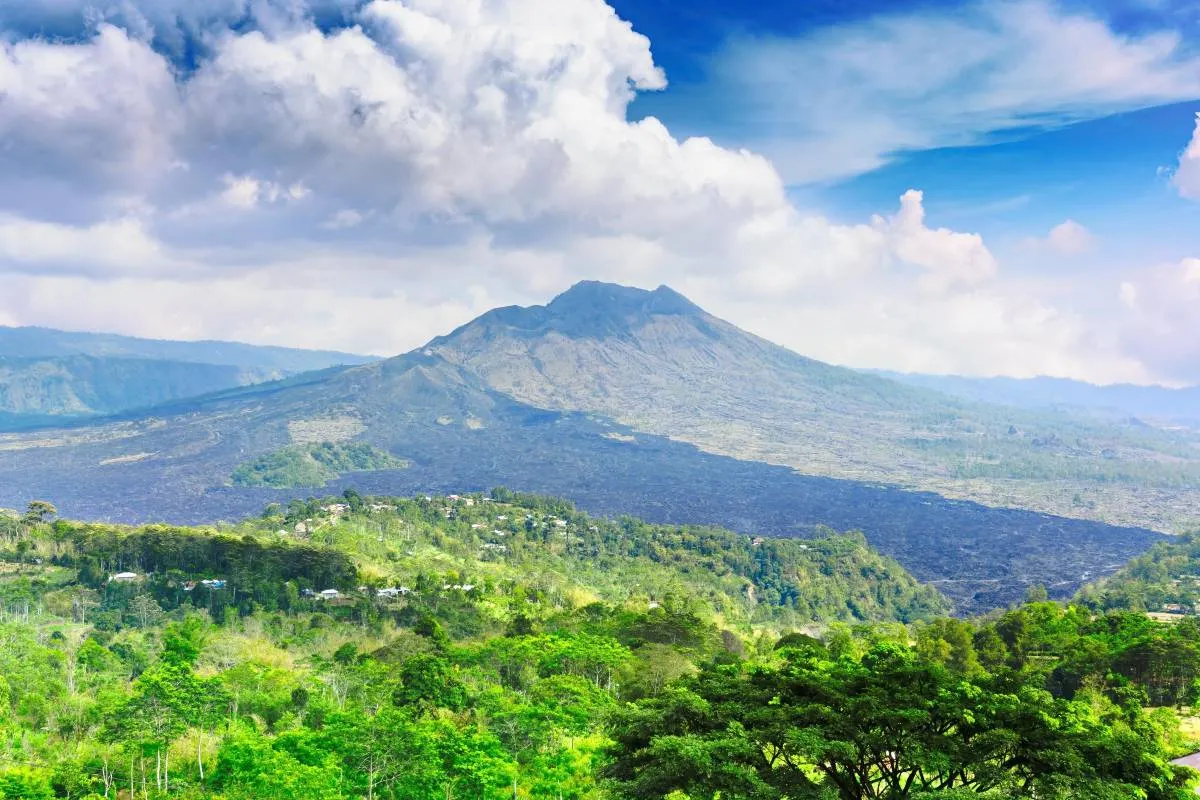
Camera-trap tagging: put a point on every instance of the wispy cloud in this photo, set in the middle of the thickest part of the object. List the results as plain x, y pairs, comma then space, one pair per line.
838, 101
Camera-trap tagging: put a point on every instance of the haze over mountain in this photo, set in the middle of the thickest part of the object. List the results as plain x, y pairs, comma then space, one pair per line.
1158, 403
525, 398
47, 374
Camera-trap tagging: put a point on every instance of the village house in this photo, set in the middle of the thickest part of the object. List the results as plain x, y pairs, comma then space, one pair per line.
330, 594
123, 577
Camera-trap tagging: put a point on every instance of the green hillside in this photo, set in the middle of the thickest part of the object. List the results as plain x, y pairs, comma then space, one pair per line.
511, 647
1165, 579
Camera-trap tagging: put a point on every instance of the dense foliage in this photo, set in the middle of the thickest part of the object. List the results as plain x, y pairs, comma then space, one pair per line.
312, 465
1166, 577
578, 658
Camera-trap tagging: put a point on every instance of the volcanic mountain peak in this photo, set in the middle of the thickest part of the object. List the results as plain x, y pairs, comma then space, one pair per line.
588, 310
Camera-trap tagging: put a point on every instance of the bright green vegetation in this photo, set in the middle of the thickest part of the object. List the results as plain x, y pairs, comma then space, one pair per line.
511, 647
1166, 578
1006, 709
313, 465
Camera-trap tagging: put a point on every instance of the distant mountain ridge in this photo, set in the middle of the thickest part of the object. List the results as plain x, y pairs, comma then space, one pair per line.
38, 342
1151, 402
47, 374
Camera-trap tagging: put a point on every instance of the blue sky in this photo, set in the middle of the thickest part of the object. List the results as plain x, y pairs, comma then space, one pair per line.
1105, 173
995, 187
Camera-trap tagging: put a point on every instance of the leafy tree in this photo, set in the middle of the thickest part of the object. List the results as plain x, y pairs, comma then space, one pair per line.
39, 511
892, 725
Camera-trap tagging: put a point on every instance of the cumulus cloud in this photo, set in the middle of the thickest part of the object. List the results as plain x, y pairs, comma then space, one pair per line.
367, 185
842, 100
1067, 238
1186, 177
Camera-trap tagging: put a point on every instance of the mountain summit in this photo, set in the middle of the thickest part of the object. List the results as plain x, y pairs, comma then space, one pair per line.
656, 361
589, 309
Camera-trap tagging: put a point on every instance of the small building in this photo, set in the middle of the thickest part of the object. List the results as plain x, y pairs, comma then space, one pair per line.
123, 577
330, 594
215, 584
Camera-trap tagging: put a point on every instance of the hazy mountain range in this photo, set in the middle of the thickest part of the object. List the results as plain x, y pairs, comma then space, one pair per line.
47, 374
1156, 403
639, 402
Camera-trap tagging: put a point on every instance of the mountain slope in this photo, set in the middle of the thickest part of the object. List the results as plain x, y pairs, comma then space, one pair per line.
456, 434
46, 374
656, 362
81, 385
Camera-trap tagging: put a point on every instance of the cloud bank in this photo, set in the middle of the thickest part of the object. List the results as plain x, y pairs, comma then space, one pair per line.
367, 183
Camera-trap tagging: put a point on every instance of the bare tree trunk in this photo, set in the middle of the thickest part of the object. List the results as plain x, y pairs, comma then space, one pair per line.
200, 753
158, 770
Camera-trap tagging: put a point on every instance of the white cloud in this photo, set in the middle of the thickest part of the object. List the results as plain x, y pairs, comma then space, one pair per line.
1163, 306
948, 257
247, 193
1067, 238
1187, 176
838, 101
121, 245
487, 145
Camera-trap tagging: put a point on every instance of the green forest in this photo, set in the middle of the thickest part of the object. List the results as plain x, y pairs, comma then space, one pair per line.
508, 646
313, 465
